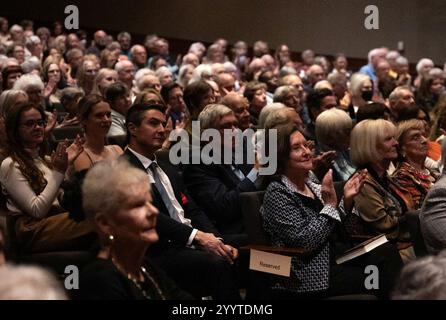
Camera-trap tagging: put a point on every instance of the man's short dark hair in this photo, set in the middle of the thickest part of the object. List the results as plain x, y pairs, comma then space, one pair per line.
116, 90
165, 90
135, 114
374, 111
314, 98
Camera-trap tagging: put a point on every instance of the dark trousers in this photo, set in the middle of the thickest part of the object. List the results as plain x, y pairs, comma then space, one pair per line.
350, 276
200, 273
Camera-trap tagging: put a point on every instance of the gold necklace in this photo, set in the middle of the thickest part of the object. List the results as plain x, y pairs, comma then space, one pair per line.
146, 276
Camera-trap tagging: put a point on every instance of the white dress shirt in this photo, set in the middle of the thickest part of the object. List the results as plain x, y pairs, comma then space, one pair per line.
146, 162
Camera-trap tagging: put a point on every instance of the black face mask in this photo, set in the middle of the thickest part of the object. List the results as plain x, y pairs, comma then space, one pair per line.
367, 95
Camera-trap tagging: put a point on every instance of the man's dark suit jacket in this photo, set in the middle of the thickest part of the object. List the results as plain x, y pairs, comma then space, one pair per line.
170, 231
216, 189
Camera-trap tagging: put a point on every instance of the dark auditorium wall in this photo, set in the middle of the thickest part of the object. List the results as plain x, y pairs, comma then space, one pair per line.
327, 26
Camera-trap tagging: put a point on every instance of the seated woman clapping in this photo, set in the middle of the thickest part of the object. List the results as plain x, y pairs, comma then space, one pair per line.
95, 116
298, 212
31, 182
117, 201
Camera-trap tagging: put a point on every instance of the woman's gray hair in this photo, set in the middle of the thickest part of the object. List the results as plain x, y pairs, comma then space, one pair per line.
140, 74
211, 114
201, 72
287, 70
230, 67
329, 124
16, 28
29, 283
266, 111
161, 71
282, 92
422, 279
323, 84
9, 98
33, 63
103, 190
279, 117
436, 73
422, 63
183, 72
402, 61
32, 41
356, 83
69, 94
28, 81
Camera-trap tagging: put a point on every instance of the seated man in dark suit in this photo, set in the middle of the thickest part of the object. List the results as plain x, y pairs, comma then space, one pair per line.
189, 248
217, 187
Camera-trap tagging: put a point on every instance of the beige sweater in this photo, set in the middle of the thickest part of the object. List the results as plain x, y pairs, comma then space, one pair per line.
21, 198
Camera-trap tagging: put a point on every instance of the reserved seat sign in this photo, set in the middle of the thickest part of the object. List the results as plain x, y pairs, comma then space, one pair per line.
270, 263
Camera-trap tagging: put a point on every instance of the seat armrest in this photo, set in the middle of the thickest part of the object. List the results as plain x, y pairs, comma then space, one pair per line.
277, 250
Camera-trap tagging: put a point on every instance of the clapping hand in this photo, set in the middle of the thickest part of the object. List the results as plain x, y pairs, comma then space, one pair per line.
322, 163
328, 192
59, 158
51, 123
352, 187
75, 149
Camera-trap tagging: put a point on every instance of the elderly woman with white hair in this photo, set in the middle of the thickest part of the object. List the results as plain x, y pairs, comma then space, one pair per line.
185, 74
164, 75
119, 205
333, 128
31, 65
380, 204
146, 79
201, 72
361, 91
402, 69
33, 86
423, 67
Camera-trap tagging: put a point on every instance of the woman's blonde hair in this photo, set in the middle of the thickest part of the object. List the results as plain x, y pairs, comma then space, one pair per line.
365, 139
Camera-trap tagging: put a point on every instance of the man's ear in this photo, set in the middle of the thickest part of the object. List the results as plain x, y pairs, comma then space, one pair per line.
132, 128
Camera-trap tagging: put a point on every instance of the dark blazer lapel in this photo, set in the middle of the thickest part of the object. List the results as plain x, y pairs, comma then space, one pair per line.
133, 159
227, 171
157, 200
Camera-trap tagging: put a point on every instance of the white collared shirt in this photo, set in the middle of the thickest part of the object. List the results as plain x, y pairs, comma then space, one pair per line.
146, 162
